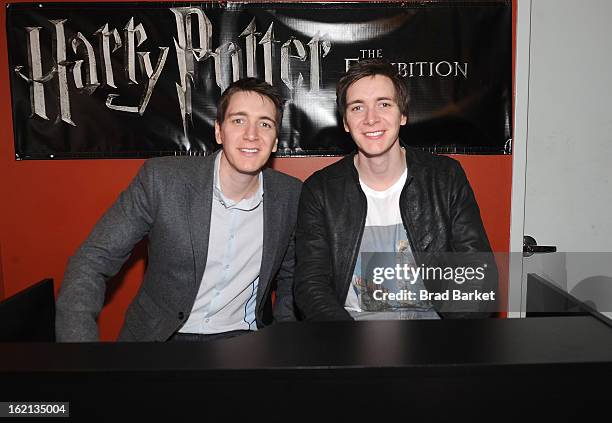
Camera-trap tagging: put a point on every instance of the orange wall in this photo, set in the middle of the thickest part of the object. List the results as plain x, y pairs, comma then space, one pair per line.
1, 275
47, 208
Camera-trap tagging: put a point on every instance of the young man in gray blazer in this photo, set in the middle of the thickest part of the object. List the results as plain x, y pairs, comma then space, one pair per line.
217, 247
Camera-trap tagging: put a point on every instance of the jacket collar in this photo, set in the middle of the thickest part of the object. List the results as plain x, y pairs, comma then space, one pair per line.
416, 160
200, 173
200, 176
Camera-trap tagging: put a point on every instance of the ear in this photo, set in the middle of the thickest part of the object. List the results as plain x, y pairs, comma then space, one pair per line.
404, 120
275, 145
218, 136
346, 128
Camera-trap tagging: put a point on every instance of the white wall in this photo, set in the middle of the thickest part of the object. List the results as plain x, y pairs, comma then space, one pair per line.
568, 181
569, 159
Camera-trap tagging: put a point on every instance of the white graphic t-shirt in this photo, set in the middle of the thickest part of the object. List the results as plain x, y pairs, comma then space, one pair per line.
384, 233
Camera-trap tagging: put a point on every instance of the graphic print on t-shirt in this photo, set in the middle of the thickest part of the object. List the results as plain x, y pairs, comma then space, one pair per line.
384, 245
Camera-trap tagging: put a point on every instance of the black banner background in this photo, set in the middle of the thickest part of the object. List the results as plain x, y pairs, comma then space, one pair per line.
468, 111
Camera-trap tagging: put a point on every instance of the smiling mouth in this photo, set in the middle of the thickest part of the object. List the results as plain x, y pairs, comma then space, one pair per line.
374, 134
249, 150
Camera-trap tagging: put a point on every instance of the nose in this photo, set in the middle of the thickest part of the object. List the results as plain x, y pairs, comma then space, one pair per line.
251, 132
371, 116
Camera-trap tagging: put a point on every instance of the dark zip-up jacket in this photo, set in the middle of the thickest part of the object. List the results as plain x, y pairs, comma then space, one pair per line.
439, 213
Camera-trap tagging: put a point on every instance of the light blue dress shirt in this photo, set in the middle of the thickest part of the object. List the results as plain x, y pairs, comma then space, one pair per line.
226, 297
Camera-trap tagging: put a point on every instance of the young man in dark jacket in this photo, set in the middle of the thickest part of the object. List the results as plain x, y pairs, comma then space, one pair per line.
369, 222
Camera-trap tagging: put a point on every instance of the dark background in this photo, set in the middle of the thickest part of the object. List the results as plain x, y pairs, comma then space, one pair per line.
447, 115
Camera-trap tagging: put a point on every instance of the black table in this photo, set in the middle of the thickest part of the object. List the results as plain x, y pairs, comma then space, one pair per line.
489, 370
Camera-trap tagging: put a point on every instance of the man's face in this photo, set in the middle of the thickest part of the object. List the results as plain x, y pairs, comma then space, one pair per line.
248, 132
372, 115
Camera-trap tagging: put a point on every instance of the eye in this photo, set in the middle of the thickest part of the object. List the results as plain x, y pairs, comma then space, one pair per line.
385, 104
357, 108
238, 121
267, 124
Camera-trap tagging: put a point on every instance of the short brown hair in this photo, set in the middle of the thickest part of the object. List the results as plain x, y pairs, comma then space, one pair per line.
253, 85
371, 67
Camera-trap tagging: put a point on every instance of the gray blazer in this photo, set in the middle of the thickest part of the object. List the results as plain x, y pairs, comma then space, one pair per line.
170, 201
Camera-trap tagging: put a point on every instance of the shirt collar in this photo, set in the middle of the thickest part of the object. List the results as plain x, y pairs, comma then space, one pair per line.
246, 204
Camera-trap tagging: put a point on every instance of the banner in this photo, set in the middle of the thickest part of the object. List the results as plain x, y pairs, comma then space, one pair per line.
96, 80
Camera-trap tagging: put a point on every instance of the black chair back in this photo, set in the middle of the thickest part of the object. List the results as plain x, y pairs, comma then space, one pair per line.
29, 315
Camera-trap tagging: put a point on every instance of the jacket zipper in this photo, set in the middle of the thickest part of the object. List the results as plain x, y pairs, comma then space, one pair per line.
347, 283
405, 221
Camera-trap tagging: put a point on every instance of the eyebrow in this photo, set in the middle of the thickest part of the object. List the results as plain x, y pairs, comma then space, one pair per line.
241, 113
378, 99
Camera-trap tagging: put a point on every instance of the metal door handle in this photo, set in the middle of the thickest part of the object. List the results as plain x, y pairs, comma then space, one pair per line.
530, 247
